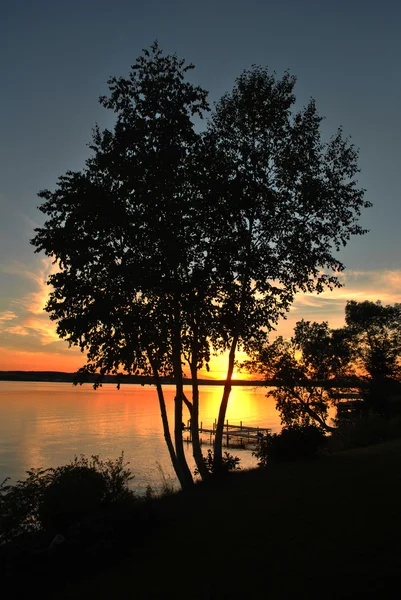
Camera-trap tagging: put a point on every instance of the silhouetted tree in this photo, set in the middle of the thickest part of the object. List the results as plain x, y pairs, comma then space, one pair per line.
306, 370
374, 331
172, 243
126, 237
292, 203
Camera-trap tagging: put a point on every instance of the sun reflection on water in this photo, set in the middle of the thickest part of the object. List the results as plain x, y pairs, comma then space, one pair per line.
46, 424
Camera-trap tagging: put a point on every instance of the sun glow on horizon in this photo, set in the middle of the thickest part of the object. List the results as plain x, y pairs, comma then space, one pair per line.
29, 342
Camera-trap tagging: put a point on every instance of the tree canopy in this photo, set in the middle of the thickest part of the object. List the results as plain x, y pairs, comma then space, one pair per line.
374, 331
173, 243
305, 371
319, 366
295, 202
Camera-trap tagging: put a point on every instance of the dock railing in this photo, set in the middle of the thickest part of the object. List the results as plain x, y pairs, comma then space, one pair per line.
245, 434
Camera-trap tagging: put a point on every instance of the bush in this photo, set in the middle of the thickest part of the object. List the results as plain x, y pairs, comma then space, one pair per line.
53, 499
295, 442
71, 497
230, 462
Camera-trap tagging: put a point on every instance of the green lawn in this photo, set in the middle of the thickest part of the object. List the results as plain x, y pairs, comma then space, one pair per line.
327, 529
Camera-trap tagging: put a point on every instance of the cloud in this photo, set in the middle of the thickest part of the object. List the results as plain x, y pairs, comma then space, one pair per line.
28, 221
36, 298
26, 330
27, 312
330, 305
17, 330
7, 315
359, 285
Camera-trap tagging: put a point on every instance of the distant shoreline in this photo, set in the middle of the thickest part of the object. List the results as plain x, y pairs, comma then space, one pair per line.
62, 377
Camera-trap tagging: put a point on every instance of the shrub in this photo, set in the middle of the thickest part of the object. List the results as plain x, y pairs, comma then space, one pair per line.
167, 482
53, 499
230, 462
293, 443
71, 497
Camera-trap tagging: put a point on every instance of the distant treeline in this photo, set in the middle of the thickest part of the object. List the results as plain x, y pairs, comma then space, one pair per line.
61, 377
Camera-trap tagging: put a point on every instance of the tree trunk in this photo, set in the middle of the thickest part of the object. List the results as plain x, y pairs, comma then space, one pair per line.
166, 428
196, 447
187, 479
315, 416
218, 440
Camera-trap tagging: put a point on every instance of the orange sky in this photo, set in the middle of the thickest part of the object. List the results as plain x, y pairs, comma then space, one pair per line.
28, 340
70, 360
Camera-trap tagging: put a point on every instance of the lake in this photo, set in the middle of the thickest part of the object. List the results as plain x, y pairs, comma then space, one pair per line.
46, 424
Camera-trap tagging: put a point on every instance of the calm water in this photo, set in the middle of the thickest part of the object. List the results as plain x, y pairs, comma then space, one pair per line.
46, 424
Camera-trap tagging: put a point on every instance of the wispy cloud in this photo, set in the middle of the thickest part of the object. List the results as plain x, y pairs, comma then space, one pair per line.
28, 221
7, 315
27, 312
26, 330
360, 285
330, 305
17, 330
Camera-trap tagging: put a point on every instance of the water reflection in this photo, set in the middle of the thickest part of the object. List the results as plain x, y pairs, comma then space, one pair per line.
46, 424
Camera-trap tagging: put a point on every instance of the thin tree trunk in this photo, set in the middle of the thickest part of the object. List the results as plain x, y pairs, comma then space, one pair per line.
187, 479
218, 440
314, 415
196, 447
166, 428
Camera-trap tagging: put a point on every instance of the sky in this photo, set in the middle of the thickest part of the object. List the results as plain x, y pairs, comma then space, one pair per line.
56, 58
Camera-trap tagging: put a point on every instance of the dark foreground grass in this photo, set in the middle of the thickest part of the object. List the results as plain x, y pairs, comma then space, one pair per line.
329, 529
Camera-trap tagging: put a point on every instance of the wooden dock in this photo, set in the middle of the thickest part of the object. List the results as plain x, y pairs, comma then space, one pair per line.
235, 435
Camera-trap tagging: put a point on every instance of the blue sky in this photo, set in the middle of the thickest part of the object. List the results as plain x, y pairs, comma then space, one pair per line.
57, 56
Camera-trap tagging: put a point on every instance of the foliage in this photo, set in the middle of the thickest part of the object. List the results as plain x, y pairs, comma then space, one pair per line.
291, 199
167, 483
71, 497
318, 366
122, 229
295, 442
305, 371
54, 498
171, 243
230, 462
128, 235
19, 504
374, 332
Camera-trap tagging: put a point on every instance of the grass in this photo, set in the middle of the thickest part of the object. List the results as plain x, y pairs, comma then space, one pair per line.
328, 529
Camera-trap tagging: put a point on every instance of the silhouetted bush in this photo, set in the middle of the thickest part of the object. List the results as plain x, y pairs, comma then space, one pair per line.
293, 443
54, 499
71, 497
230, 462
